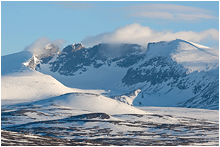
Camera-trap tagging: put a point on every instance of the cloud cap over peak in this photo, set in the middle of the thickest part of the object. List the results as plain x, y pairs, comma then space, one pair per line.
38, 47
138, 34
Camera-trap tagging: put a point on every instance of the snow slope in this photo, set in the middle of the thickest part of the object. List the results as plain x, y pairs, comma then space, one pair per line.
93, 78
20, 83
31, 86
195, 57
12, 63
96, 103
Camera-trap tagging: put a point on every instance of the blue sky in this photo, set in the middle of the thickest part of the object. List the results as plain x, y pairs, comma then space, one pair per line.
23, 23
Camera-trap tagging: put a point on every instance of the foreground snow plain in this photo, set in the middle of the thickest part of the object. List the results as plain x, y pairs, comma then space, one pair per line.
58, 117
36, 105
88, 117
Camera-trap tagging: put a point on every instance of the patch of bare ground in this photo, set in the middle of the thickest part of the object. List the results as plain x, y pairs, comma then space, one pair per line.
9, 138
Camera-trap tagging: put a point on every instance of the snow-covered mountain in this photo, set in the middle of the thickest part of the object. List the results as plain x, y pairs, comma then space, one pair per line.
173, 73
84, 96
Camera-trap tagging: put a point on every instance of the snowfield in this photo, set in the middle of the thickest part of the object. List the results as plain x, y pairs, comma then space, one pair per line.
59, 118
97, 103
33, 85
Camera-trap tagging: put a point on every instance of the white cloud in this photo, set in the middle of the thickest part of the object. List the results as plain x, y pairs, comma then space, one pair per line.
137, 34
38, 46
169, 12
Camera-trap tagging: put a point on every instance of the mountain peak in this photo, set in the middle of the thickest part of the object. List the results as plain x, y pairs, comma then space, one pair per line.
73, 47
191, 56
190, 43
78, 46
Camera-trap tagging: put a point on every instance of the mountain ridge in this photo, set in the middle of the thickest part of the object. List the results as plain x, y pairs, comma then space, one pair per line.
168, 73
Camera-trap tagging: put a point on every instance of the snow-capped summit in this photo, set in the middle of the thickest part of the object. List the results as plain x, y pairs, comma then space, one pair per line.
192, 56
43, 56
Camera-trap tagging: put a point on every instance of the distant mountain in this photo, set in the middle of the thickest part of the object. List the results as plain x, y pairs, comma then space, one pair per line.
173, 73
22, 84
12, 63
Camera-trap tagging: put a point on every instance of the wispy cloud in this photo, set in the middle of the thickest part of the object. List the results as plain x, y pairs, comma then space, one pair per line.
135, 33
194, 16
165, 7
38, 46
168, 11
157, 15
